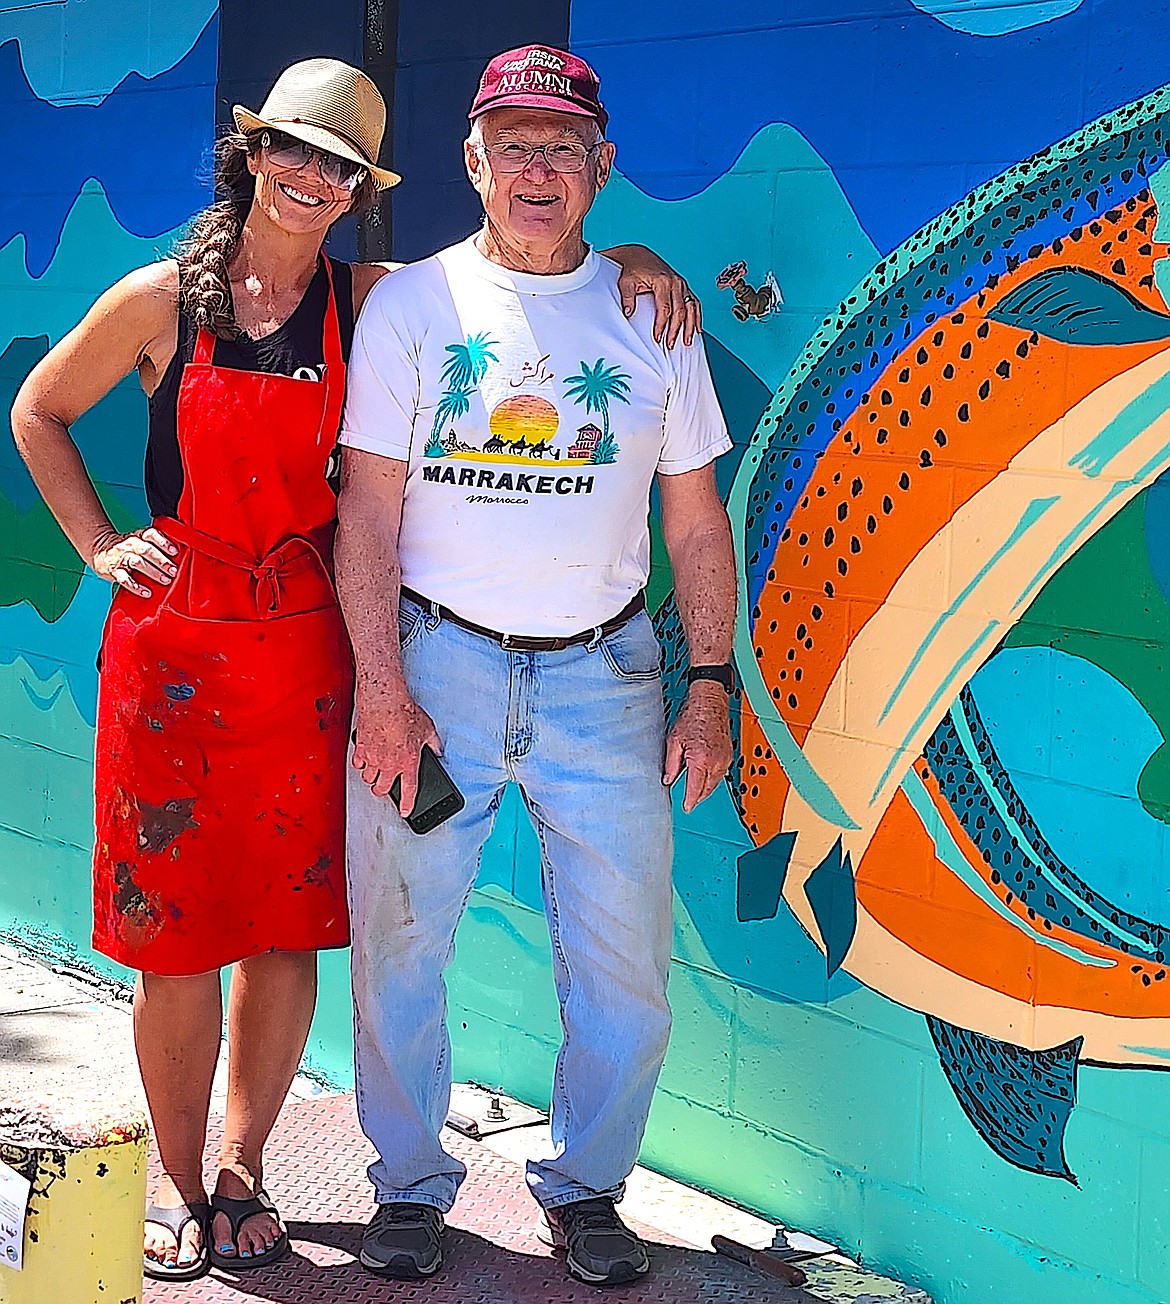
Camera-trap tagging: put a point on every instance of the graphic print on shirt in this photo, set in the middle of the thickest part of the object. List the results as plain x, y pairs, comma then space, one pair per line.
462, 372
523, 426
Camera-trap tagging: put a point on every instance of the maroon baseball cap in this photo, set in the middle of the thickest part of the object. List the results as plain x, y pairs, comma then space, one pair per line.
540, 77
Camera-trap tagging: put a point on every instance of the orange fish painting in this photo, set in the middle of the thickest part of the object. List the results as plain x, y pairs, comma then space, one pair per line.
983, 404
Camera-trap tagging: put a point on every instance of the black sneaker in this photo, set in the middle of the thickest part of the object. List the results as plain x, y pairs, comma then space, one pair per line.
600, 1249
403, 1240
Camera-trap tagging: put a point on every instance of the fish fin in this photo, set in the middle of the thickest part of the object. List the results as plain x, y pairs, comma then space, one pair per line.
832, 895
761, 878
1076, 306
1018, 1100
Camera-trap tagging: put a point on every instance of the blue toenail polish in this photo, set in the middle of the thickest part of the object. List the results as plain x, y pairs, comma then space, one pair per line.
245, 1254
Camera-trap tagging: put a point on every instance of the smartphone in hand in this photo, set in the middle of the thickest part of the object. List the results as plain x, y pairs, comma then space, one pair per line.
438, 798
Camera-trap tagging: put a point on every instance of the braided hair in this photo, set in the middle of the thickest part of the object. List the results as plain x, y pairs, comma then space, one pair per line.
207, 246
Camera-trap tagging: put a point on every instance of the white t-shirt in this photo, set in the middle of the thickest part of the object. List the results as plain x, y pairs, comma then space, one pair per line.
533, 415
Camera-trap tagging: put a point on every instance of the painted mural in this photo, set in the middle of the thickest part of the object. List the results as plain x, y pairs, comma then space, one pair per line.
923, 934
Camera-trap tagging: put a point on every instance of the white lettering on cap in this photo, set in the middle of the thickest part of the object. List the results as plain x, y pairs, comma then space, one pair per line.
541, 58
533, 81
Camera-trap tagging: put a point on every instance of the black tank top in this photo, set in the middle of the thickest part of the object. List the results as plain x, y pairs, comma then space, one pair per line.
293, 349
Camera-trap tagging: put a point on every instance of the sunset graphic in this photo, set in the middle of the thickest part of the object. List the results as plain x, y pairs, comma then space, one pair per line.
524, 414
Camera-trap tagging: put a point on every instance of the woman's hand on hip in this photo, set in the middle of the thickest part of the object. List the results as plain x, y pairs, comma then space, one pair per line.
389, 740
131, 559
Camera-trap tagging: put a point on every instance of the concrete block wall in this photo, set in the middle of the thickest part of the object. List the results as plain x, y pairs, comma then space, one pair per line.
918, 989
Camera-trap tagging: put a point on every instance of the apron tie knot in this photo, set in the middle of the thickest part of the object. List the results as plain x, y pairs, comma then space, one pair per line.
267, 578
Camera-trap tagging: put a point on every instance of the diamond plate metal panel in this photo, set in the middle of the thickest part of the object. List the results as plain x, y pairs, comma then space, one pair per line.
316, 1164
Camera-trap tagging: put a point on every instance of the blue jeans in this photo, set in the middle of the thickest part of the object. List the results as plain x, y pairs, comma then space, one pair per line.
581, 732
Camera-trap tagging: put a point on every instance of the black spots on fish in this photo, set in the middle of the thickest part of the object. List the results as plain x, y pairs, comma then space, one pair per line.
984, 389
924, 459
1023, 349
842, 510
829, 536
939, 337
886, 398
940, 438
1119, 266
882, 435
949, 371
904, 418
966, 351
887, 505
786, 596
842, 567
870, 524
904, 481
1003, 369
922, 357
856, 487
925, 397
964, 412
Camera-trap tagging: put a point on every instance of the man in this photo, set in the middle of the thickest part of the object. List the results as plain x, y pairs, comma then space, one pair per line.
504, 424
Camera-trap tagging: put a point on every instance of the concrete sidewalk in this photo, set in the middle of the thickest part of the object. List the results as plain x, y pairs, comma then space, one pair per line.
61, 1031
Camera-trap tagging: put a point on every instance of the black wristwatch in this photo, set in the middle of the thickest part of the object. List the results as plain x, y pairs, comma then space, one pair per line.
723, 674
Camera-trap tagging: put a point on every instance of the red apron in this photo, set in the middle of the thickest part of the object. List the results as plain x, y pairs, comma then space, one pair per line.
225, 697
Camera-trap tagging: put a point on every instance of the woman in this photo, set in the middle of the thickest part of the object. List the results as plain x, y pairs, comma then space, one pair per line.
226, 680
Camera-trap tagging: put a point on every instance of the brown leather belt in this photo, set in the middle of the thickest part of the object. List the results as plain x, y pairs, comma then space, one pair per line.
521, 643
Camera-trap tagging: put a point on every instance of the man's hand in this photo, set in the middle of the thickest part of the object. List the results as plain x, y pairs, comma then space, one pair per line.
390, 737
676, 309
700, 741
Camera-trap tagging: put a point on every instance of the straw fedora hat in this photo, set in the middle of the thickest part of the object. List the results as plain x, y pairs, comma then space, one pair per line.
329, 105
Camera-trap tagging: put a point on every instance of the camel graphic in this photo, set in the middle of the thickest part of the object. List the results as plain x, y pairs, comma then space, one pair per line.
519, 445
494, 445
539, 450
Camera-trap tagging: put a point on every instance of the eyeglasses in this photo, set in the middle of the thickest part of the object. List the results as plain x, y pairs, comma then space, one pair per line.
289, 152
515, 155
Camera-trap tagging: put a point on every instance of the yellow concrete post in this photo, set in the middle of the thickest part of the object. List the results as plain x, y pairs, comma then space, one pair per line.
83, 1232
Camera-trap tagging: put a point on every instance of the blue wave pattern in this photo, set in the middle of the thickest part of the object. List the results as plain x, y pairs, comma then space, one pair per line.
878, 106
148, 142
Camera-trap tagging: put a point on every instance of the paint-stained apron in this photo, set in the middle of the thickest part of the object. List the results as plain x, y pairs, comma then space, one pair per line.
225, 697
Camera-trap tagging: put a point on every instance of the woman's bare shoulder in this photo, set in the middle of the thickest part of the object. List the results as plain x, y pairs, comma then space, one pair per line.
156, 283
145, 300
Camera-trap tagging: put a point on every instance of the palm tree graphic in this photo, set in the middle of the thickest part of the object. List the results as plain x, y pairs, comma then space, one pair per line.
462, 372
595, 386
